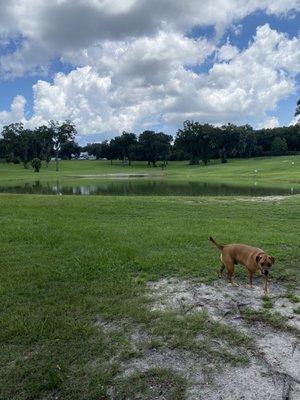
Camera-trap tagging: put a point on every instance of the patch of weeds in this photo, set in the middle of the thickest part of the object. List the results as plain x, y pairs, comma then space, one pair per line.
273, 319
155, 343
152, 384
178, 331
296, 310
267, 302
293, 298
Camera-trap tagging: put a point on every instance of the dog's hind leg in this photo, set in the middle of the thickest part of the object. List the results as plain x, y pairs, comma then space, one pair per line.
230, 272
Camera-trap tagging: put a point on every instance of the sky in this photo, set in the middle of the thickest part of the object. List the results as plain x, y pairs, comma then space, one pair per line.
131, 65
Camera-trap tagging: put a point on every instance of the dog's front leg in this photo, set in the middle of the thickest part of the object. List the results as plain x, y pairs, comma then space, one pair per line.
265, 284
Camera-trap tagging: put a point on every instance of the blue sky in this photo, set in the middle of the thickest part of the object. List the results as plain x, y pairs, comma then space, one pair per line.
150, 73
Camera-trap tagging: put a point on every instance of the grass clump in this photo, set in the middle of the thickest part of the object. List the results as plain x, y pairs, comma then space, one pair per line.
267, 302
273, 319
152, 384
293, 298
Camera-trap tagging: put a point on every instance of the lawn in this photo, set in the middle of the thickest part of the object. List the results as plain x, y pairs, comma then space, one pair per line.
73, 268
271, 171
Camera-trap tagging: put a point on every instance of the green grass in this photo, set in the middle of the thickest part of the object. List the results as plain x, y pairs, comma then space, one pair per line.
273, 319
151, 384
271, 171
267, 302
67, 261
292, 297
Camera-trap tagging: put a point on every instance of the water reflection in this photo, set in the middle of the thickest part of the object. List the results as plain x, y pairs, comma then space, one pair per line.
147, 188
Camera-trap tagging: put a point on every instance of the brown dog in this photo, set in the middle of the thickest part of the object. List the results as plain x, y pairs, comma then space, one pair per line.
253, 258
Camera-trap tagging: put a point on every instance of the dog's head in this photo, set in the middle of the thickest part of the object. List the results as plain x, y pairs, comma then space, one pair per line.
265, 263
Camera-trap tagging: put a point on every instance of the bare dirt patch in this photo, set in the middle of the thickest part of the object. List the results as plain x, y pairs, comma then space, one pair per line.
114, 176
273, 372
264, 198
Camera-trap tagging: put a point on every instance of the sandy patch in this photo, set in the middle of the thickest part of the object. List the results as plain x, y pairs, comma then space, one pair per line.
115, 176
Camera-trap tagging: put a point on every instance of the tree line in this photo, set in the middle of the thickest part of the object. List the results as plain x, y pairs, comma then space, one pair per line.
34, 145
194, 142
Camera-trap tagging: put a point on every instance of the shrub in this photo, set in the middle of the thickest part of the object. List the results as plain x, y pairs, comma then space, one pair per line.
36, 164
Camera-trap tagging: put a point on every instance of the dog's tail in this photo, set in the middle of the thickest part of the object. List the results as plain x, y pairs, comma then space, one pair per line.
219, 246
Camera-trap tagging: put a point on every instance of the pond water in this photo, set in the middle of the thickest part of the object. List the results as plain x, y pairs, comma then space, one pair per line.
146, 187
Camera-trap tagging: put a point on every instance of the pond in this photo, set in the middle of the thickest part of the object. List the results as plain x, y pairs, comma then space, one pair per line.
147, 187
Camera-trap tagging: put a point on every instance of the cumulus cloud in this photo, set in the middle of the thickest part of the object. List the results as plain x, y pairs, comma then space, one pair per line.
16, 112
146, 81
270, 122
227, 52
58, 26
135, 66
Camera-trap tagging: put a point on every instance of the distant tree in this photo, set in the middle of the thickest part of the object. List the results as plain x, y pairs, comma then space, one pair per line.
12, 143
95, 149
2, 149
199, 141
297, 111
229, 138
26, 147
279, 145
68, 149
61, 134
106, 151
44, 134
124, 146
247, 142
154, 146
36, 164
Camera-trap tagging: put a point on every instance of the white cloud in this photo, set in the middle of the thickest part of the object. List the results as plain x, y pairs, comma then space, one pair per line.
134, 66
227, 52
270, 122
50, 28
16, 112
144, 81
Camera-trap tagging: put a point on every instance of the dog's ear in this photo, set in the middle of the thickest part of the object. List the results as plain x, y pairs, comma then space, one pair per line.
272, 259
257, 258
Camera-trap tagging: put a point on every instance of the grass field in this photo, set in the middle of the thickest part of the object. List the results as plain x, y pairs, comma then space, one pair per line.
271, 171
73, 267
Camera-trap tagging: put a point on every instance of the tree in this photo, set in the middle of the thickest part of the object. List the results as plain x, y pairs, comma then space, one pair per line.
11, 136
36, 164
2, 148
297, 111
44, 134
68, 149
154, 146
247, 141
229, 138
279, 145
61, 134
124, 146
199, 141
95, 149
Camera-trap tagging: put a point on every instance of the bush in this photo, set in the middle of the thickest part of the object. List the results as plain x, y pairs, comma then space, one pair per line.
36, 164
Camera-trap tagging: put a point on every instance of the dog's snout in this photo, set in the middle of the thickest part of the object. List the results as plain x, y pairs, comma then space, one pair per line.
266, 272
